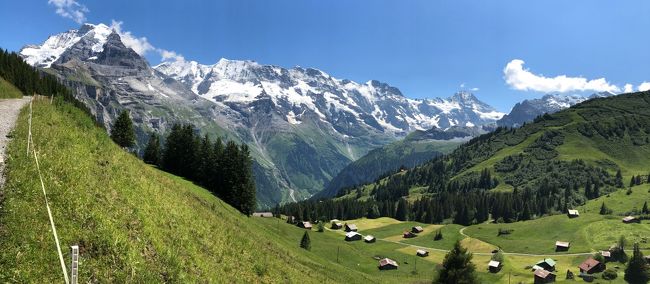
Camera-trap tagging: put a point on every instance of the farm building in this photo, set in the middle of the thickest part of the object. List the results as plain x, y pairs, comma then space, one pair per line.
350, 227
631, 219
408, 235
263, 214
573, 213
606, 254
494, 266
544, 276
369, 239
417, 229
545, 264
591, 265
336, 225
387, 263
422, 253
352, 236
562, 246
305, 225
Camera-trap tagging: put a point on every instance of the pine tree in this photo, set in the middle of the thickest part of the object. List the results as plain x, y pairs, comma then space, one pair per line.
438, 236
246, 186
321, 226
637, 268
122, 132
153, 153
604, 210
457, 267
402, 210
619, 179
305, 242
645, 208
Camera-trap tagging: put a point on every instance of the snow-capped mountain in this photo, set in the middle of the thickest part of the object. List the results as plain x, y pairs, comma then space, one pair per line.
302, 125
527, 110
304, 92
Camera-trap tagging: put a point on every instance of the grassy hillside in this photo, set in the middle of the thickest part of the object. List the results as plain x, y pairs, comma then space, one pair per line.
9, 91
133, 223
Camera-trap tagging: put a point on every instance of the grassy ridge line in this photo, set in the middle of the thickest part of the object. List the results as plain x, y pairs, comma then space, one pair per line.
132, 222
9, 91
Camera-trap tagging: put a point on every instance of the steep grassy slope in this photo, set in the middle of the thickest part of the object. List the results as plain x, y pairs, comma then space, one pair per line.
9, 91
132, 222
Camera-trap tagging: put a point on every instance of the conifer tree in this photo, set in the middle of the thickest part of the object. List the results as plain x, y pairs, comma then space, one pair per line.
153, 153
645, 208
457, 267
402, 210
619, 179
604, 210
122, 132
637, 268
305, 242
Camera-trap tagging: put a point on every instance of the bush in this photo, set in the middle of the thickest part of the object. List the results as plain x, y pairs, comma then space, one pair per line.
504, 232
610, 274
438, 235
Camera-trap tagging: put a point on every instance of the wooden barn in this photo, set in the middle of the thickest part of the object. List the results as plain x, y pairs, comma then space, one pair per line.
494, 266
387, 263
562, 246
591, 266
336, 225
573, 213
369, 239
305, 225
352, 236
350, 227
547, 264
544, 276
631, 219
421, 253
263, 214
417, 229
408, 235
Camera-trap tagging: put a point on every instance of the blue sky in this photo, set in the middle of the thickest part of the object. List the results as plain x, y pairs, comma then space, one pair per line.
425, 48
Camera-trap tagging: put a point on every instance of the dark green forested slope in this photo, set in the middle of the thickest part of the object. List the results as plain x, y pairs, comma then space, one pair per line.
556, 162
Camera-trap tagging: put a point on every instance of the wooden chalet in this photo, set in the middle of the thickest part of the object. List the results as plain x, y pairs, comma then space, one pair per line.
352, 236
408, 235
544, 276
336, 225
369, 239
421, 253
547, 264
494, 266
305, 225
606, 254
591, 266
263, 214
417, 229
387, 263
562, 246
631, 219
350, 227
572, 213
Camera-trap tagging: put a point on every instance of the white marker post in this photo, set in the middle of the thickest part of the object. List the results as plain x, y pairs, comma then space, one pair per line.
74, 269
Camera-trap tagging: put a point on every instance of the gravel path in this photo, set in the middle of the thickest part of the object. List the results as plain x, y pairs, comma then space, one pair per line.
9, 109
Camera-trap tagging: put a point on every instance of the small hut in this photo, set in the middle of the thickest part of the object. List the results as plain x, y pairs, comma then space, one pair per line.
408, 235
545, 264
494, 266
305, 225
352, 236
422, 253
544, 276
263, 214
606, 254
417, 229
387, 263
336, 225
350, 227
369, 239
573, 213
591, 266
562, 246
630, 219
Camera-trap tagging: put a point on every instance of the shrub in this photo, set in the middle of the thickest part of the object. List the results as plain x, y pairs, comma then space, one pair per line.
610, 274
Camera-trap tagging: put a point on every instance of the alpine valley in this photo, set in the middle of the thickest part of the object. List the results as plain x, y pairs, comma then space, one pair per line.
302, 125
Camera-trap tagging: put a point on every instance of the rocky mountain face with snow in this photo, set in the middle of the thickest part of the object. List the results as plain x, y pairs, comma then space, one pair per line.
527, 110
303, 126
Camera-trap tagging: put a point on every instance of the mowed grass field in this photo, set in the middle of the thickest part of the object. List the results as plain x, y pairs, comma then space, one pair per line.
9, 91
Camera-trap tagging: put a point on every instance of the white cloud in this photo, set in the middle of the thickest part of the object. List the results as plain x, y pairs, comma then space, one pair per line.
139, 44
462, 86
522, 79
474, 89
168, 55
70, 9
644, 86
628, 88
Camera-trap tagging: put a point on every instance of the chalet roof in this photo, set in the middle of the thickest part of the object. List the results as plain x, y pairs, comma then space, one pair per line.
388, 261
562, 244
419, 228
541, 273
494, 263
629, 218
306, 224
421, 251
574, 212
548, 261
588, 264
368, 237
351, 226
606, 253
351, 234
